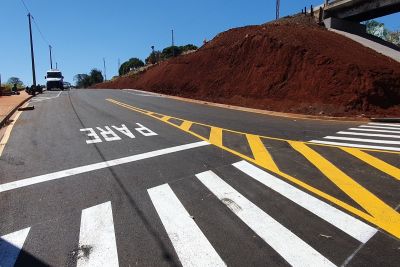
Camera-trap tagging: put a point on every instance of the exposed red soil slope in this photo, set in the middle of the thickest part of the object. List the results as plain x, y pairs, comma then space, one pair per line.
292, 65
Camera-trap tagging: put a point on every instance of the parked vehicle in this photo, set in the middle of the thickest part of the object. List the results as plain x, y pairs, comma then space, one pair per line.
67, 85
54, 80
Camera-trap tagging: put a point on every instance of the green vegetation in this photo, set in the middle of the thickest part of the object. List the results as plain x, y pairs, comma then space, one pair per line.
378, 29
86, 80
155, 56
15, 80
132, 63
168, 53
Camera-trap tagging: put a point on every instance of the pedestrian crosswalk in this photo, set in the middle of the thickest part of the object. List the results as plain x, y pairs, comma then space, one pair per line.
383, 136
98, 242
262, 151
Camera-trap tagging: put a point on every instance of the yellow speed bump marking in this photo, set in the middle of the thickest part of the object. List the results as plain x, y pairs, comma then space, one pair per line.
263, 158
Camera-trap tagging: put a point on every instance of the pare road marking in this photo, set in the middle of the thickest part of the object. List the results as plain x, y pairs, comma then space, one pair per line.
109, 135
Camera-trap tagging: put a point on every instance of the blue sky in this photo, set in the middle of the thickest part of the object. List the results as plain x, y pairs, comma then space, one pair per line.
82, 32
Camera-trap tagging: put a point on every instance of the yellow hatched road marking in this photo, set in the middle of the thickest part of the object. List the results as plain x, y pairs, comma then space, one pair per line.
374, 162
260, 153
165, 118
385, 216
216, 136
186, 125
270, 165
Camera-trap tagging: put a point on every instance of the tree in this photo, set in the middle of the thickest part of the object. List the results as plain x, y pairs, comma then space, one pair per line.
153, 58
132, 63
96, 76
188, 47
171, 51
394, 37
376, 28
82, 80
15, 80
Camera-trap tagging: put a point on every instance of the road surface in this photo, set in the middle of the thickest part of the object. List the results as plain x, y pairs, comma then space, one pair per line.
127, 178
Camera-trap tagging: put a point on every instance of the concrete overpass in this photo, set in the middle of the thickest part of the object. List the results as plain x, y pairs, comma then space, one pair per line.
360, 10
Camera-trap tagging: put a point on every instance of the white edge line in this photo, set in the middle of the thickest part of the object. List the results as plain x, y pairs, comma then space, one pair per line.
341, 220
9, 129
96, 166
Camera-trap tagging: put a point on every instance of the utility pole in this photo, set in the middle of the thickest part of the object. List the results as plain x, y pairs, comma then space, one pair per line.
278, 5
51, 58
32, 54
173, 45
104, 69
119, 65
56, 66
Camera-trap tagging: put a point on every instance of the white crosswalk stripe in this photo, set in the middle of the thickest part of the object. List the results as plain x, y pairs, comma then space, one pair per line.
348, 224
11, 245
381, 136
373, 130
97, 237
98, 243
190, 244
296, 252
385, 124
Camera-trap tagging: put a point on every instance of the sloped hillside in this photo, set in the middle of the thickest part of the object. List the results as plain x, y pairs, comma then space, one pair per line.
292, 65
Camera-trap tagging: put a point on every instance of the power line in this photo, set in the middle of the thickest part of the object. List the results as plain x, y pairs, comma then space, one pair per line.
40, 32
34, 21
23, 3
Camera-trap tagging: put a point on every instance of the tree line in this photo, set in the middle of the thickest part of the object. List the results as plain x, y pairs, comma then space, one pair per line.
155, 57
84, 80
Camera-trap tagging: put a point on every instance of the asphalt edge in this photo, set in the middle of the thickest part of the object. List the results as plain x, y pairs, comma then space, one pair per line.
386, 120
8, 116
260, 111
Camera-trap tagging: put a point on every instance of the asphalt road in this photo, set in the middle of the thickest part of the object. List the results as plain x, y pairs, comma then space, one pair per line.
126, 178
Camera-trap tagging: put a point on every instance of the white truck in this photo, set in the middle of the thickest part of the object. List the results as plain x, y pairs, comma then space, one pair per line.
54, 80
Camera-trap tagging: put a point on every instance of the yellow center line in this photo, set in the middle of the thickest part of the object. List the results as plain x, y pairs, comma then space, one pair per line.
238, 132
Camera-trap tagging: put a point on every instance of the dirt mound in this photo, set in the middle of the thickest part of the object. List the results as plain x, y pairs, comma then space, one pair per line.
292, 65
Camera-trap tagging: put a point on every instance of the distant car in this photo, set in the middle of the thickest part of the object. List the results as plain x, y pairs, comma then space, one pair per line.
67, 85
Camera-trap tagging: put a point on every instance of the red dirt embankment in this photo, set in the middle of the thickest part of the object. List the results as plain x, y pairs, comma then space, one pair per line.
292, 65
